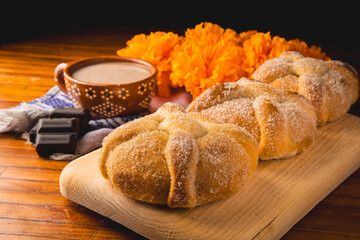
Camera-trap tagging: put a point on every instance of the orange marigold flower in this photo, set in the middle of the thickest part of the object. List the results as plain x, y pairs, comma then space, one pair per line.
245, 36
208, 55
259, 47
156, 49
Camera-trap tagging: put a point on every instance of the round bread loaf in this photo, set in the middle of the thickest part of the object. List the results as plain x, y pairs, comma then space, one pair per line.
282, 122
177, 158
330, 86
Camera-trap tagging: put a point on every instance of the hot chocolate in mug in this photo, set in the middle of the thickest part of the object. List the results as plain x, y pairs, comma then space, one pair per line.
108, 86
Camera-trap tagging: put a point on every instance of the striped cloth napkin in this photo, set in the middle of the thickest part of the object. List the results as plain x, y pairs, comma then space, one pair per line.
24, 116
21, 118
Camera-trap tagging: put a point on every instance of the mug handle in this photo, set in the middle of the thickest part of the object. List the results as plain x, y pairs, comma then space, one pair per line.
59, 77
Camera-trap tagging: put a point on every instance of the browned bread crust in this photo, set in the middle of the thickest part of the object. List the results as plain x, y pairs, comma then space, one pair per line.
282, 122
177, 158
331, 86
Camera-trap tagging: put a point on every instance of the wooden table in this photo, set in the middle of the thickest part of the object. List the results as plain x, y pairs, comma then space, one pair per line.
31, 206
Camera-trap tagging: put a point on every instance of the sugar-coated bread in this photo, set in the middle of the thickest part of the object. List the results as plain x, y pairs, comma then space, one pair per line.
177, 158
331, 86
282, 122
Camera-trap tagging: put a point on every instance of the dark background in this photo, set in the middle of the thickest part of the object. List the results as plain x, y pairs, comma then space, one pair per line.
334, 25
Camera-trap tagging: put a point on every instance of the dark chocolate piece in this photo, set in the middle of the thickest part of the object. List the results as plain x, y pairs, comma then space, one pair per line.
49, 143
82, 114
33, 132
59, 133
59, 125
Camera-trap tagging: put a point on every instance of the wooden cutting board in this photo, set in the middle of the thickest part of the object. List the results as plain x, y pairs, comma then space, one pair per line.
278, 195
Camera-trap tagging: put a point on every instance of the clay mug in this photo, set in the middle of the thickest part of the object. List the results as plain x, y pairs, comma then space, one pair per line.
107, 99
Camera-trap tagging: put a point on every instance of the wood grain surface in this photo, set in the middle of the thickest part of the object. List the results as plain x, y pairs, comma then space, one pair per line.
31, 206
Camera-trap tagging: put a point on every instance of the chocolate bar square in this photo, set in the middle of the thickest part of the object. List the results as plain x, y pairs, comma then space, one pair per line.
49, 143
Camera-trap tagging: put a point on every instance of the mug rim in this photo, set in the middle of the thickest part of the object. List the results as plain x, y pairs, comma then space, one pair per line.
102, 59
